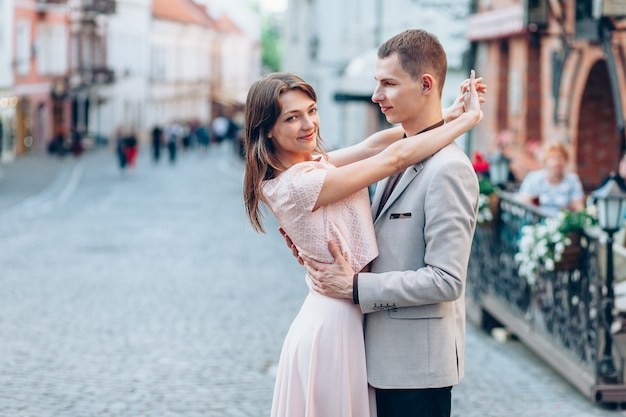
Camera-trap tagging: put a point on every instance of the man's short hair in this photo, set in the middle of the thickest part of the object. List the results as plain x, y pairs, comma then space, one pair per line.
419, 52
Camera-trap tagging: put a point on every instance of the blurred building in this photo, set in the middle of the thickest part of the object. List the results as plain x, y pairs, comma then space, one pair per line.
237, 55
556, 70
80, 70
183, 38
123, 104
40, 59
8, 100
332, 44
58, 63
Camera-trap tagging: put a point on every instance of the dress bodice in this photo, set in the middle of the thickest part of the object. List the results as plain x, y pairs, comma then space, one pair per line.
291, 197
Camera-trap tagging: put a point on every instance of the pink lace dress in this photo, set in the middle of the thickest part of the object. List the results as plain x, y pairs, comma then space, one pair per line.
321, 371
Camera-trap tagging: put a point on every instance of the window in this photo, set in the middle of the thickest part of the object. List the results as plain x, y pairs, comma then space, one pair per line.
23, 52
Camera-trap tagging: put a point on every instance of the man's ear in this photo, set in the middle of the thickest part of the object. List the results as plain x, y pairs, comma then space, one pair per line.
427, 82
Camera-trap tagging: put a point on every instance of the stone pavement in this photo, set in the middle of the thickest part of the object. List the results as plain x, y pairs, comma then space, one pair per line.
29, 175
148, 295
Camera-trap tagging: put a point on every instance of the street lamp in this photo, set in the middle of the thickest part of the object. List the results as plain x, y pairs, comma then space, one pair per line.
499, 168
610, 200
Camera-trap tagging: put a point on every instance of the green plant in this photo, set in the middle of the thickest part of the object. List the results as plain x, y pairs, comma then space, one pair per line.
486, 189
576, 221
485, 186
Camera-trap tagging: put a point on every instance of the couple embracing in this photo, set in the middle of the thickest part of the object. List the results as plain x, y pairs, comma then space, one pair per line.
382, 330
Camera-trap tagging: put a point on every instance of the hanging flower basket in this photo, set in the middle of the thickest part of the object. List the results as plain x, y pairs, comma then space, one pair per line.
572, 254
552, 245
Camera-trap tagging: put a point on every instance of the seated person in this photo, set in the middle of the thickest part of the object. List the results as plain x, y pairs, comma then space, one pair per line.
553, 187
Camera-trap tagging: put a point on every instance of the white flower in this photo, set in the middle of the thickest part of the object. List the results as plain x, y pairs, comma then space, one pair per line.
484, 210
541, 244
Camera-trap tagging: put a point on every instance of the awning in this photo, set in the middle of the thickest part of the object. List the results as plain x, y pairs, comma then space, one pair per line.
496, 24
357, 82
230, 98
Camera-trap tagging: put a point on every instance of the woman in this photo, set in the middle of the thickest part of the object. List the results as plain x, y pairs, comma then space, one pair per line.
553, 187
316, 197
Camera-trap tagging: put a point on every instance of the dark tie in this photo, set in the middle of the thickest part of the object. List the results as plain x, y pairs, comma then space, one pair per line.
391, 184
395, 178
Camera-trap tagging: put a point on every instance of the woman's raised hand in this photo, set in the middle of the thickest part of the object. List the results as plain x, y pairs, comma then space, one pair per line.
458, 107
472, 99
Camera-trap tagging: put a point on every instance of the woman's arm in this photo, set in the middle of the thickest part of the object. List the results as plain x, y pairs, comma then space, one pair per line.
370, 146
348, 179
380, 140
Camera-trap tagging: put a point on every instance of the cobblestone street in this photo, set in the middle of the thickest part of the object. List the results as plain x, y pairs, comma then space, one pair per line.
148, 294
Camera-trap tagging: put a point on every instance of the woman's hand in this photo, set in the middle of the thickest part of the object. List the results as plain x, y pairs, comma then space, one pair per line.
472, 100
458, 107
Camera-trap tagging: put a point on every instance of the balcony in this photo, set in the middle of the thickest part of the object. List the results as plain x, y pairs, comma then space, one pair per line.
44, 6
100, 75
85, 77
562, 315
106, 7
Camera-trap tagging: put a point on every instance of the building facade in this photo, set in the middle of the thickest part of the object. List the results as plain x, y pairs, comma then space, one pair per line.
77, 71
181, 40
556, 70
40, 56
8, 99
124, 102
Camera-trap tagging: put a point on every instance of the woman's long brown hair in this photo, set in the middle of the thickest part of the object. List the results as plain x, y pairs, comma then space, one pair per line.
263, 107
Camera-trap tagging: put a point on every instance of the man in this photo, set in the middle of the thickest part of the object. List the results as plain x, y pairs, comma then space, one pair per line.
413, 297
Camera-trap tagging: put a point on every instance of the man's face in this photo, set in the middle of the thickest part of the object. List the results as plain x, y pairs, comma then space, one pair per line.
400, 97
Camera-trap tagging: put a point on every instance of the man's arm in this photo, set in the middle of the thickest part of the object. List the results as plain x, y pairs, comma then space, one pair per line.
425, 261
443, 277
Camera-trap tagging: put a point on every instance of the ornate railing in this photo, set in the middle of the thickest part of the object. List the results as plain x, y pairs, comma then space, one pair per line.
561, 315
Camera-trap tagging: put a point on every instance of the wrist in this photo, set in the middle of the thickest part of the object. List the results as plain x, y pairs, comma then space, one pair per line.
355, 288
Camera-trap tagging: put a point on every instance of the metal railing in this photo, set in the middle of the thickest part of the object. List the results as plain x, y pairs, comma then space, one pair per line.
561, 316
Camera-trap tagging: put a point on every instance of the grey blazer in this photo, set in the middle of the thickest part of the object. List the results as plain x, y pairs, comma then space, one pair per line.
414, 295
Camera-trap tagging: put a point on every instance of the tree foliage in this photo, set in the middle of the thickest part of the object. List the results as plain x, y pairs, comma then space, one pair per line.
270, 45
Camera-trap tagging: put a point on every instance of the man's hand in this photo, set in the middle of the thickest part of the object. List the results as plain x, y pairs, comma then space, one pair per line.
290, 245
333, 280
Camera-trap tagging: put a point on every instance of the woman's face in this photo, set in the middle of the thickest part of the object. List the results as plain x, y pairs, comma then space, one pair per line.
296, 129
555, 163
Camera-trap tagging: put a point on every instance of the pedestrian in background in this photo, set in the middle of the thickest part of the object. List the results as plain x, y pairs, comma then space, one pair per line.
131, 149
157, 143
203, 138
172, 133
553, 188
318, 197
120, 150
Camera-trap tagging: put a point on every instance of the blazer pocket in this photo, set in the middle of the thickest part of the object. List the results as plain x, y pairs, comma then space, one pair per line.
430, 311
393, 216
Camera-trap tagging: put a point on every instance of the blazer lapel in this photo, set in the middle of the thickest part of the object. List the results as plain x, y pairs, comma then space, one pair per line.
408, 176
378, 195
